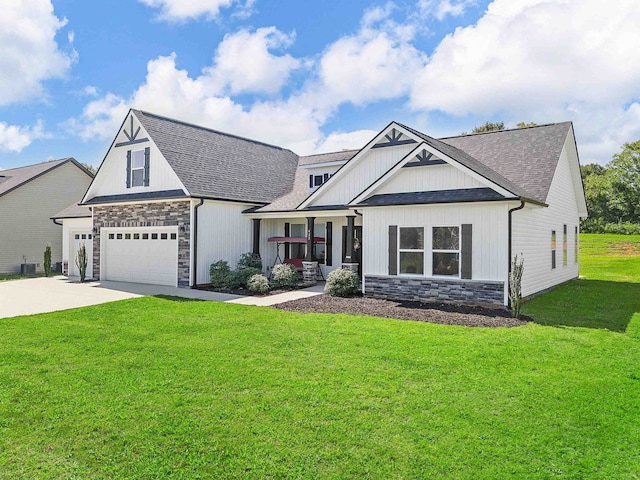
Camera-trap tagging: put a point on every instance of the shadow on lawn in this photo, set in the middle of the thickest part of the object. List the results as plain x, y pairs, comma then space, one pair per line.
587, 303
173, 298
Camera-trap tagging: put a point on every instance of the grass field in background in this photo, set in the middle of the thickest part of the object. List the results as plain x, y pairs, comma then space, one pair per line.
162, 388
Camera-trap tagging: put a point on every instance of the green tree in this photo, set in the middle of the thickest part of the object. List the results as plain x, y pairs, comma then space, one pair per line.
89, 167
489, 127
623, 173
525, 125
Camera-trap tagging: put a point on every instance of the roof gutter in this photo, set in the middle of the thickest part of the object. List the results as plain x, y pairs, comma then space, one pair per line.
54, 220
195, 242
511, 210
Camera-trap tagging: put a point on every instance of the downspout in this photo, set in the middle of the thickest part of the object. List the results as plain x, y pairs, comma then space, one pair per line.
510, 247
56, 222
195, 242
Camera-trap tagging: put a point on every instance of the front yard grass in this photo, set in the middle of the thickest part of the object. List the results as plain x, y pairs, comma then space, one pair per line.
165, 388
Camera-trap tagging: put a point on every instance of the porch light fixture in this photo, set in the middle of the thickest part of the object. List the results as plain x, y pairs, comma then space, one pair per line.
183, 227
94, 229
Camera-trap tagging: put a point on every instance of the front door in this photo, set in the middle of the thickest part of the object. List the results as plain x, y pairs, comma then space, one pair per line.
357, 252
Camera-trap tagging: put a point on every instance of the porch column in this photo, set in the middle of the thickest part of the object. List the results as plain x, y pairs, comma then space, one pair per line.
348, 258
256, 236
309, 266
309, 256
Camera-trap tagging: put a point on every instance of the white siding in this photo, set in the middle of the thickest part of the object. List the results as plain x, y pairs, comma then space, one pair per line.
422, 179
358, 177
275, 228
25, 216
112, 175
224, 233
532, 232
490, 235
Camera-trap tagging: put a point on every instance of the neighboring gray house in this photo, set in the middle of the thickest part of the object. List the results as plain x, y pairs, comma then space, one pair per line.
417, 217
29, 197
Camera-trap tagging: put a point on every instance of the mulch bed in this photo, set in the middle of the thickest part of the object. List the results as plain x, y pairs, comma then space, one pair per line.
443, 313
243, 291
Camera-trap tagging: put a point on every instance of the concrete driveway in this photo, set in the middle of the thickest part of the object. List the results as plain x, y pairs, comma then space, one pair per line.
41, 295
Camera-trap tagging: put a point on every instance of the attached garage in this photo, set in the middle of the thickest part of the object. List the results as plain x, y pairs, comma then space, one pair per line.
140, 255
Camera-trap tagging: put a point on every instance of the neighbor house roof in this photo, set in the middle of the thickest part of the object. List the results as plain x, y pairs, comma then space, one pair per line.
15, 177
73, 211
213, 164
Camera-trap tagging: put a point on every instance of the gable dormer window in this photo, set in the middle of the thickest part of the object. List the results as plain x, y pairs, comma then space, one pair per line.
138, 168
317, 180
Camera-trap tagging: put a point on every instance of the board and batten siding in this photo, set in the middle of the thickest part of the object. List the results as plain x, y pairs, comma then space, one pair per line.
224, 233
532, 232
427, 178
25, 216
490, 235
111, 178
362, 174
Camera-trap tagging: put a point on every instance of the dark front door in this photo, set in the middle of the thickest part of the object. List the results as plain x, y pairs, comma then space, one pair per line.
357, 253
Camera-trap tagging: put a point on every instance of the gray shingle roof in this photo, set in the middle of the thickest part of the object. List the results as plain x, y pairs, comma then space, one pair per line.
468, 161
127, 197
437, 196
213, 164
527, 157
340, 156
74, 211
13, 178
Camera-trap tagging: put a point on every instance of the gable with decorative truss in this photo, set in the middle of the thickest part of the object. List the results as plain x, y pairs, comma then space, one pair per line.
394, 138
424, 159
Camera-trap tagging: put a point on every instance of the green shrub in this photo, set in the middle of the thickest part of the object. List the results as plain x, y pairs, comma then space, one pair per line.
47, 260
515, 286
221, 276
597, 225
245, 274
81, 262
284, 275
250, 260
258, 283
342, 282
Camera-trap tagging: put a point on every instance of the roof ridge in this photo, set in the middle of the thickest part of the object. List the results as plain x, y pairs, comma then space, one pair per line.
200, 127
504, 130
331, 153
57, 160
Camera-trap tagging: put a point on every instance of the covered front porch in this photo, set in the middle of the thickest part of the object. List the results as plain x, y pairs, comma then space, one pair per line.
318, 241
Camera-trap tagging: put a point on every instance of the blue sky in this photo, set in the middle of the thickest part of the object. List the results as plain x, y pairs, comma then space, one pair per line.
314, 76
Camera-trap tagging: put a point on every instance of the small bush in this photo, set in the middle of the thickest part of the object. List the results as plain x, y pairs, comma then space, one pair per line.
47, 260
82, 261
284, 275
258, 283
250, 260
246, 273
597, 225
221, 276
515, 286
342, 283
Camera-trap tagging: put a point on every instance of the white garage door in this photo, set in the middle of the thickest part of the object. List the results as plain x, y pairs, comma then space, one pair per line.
140, 255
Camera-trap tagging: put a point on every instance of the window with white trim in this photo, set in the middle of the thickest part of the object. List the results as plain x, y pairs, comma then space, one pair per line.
553, 249
576, 248
564, 247
316, 180
446, 251
137, 168
411, 250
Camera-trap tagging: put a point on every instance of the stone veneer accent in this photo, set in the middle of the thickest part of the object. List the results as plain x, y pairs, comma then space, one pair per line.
146, 215
434, 290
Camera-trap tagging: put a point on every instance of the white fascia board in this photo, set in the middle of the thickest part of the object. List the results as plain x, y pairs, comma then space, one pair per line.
300, 214
350, 163
388, 175
324, 165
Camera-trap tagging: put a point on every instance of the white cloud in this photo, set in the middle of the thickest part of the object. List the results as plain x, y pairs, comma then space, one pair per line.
182, 10
14, 138
529, 55
100, 118
337, 141
29, 54
244, 63
441, 8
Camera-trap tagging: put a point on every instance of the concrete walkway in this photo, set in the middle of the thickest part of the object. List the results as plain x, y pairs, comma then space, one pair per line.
41, 295
281, 297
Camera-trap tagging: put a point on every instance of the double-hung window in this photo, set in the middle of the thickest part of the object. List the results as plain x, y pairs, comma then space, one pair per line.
446, 251
137, 168
553, 249
411, 251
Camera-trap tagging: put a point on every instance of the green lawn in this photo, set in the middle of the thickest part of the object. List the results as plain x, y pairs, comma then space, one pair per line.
161, 388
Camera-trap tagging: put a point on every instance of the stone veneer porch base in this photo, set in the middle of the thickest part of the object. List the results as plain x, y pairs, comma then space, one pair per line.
434, 290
